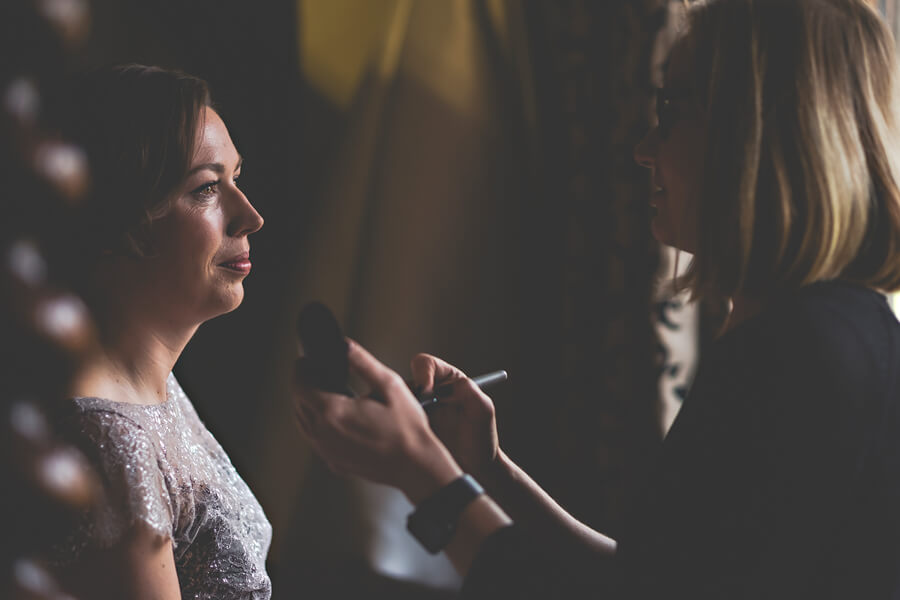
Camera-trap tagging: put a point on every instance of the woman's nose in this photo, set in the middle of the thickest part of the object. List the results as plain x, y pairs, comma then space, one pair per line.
645, 151
245, 219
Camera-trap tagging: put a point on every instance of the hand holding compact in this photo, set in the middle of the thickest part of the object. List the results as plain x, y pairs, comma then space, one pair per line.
387, 440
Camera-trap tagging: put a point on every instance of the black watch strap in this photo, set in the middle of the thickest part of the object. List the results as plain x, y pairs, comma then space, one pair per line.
434, 520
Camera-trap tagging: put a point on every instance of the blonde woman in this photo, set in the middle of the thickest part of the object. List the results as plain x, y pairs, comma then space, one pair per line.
775, 164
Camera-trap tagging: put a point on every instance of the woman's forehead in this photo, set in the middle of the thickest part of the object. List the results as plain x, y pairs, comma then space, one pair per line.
213, 140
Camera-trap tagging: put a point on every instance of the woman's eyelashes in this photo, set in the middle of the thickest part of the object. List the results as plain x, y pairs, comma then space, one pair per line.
209, 189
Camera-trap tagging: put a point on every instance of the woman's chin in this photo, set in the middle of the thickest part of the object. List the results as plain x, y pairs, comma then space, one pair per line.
236, 299
227, 301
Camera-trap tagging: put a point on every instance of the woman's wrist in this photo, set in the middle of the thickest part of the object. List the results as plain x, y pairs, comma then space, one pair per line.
482, 518
434, 469
492, 474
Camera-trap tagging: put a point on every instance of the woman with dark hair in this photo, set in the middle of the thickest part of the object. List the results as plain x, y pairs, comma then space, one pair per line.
161, 247
775, 164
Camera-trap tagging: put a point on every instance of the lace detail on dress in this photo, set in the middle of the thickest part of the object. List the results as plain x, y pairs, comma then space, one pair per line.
134, 488
160, 466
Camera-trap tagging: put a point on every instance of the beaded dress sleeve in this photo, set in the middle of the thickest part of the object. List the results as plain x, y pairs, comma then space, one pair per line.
162, 468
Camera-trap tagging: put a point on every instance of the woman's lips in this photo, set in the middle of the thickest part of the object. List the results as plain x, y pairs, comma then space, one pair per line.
238, 266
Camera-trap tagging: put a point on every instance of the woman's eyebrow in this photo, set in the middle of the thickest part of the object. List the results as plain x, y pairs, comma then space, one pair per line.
215, 167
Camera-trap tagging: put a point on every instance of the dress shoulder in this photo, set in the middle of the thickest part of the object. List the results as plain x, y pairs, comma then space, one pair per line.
126, 458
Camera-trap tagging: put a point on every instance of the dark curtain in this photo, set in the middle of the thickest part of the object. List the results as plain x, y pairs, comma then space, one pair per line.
593, 404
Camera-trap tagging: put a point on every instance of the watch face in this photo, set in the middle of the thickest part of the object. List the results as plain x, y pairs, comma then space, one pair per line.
434, 536
434, 520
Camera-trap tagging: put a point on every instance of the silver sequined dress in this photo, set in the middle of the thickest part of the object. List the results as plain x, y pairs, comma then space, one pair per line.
160, 466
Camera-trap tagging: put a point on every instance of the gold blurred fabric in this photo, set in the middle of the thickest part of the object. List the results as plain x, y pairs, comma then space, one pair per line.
411, 246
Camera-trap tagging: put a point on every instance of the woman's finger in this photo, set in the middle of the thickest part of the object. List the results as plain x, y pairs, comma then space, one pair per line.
428, 370
464, 393
380, 378
314, 406
304, 419
307, 395
331, 467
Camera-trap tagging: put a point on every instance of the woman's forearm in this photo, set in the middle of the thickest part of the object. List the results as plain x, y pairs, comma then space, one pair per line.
529, 505
513, 496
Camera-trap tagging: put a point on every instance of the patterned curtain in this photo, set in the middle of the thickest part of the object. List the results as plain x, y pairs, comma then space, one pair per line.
592, 64
678, 322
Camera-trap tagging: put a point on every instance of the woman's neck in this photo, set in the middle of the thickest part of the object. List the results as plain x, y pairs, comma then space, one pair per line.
133, 362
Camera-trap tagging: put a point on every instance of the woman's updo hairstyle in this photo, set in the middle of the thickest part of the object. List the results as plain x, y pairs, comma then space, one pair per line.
138, 126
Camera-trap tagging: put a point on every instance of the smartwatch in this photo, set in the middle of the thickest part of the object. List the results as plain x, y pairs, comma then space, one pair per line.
434, 521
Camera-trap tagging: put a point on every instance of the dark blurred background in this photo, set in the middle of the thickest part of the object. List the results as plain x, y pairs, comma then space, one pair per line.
449, 176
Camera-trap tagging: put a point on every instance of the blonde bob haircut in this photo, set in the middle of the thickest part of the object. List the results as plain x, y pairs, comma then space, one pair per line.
802, 161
